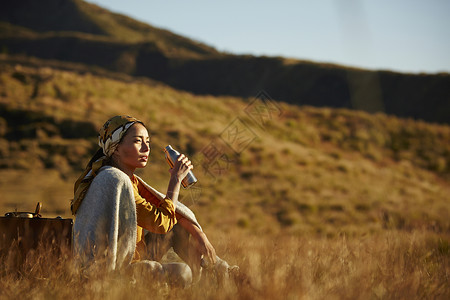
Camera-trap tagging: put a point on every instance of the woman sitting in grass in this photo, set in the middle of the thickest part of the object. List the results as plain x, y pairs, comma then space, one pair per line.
121, 221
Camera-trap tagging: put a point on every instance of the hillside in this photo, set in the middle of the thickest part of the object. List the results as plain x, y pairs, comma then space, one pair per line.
89, 20
308, 202
78, 32
314, 179
303, 170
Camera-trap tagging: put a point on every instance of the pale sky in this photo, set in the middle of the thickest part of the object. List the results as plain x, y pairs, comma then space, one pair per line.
398, 35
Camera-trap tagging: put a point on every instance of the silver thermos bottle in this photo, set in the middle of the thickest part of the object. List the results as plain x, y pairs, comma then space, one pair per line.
171, 157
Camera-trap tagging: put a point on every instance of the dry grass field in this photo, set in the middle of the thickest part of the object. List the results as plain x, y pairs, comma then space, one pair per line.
310, 203
390, 265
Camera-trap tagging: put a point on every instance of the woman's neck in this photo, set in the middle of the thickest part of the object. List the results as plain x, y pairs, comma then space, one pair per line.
123, 168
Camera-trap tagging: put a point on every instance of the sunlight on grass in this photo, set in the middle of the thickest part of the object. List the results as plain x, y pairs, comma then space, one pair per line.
322, 203
389, 265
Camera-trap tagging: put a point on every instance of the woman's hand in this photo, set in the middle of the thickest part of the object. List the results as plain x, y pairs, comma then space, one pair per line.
181, 168
206, 248
201, 242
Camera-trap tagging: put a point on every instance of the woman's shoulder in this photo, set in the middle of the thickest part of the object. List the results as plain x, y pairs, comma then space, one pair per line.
111, 174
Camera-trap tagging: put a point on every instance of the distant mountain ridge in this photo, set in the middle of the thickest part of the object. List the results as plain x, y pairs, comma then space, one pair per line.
77, 16
80, 32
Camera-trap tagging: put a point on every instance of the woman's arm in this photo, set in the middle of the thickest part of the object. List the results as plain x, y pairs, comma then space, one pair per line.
179, 171
181, 168
155, 218
203, 244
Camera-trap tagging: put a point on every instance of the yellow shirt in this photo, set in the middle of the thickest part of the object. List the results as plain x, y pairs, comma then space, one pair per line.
155, 215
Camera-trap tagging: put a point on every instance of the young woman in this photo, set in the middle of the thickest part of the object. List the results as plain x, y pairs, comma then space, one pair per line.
114, 208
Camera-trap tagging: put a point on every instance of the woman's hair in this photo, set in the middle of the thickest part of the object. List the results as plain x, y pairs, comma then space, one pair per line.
107, 160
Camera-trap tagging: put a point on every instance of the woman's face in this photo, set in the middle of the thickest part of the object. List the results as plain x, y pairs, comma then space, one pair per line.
134, 149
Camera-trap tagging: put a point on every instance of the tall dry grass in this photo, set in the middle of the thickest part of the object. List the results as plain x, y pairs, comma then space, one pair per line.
323, 204
389, 265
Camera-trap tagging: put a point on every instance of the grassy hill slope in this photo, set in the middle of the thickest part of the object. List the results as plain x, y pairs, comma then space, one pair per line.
290, 169
79, 32
70, 16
